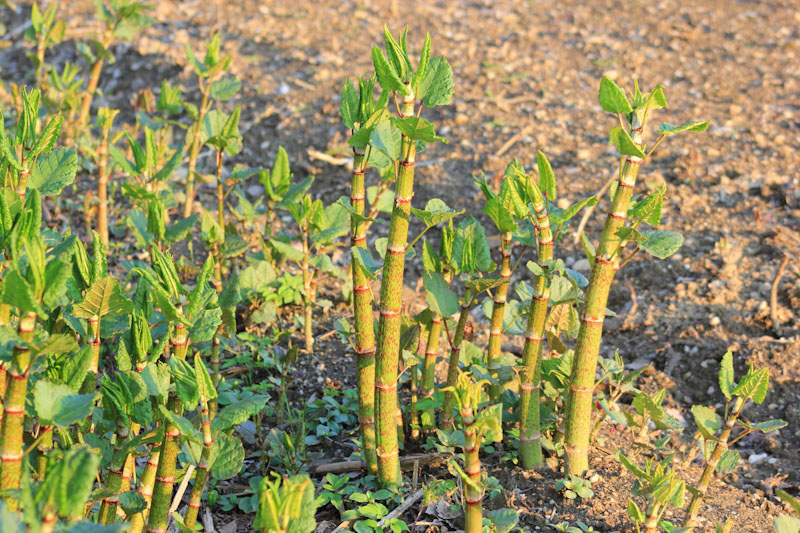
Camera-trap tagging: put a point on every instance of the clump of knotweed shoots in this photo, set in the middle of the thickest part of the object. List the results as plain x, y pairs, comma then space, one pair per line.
286, 505
214, 87
399, 139
718, 433
478, 422
622, 227
44, 31
661, 488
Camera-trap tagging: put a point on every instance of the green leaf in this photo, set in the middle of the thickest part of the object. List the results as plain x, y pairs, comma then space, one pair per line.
364, 260
668, 129
728, 462
547, 180
440, 297
794, 503
205, 387
660, 243
183, 426
57, 405
488, 423
786, 524
649, 208
726, 382
228, 455
103, 298
362, 137
180, 230
132, 502
479, 285
424, 63
17, 292
558, 216
349, 105
437, 87
753, 386
768, 426
470, 248
53, 171
386, 137
287, 250
707, 420
75, 475
500, 215
47, 139
613, 98
237, 413
633, 510
503, 520
417, 129
622, 140
225, 88
388, 78
435, 212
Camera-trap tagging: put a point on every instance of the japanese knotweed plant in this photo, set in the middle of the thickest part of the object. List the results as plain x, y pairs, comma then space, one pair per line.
214, 87
786, 523
318, 228
716, 433
608, 256
478, 422
286, 505
120, 19
661, 487
399, 138
44, 31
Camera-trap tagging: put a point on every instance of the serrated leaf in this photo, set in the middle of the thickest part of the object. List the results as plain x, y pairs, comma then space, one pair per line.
622, 140
488, 423
47, 139
768, 426
558, 216
753, 386
386, 137
435, 212
613, 98
440, 297
228, 455
503, 520
237, 413
17, 292
53, 171
225, 88
501, 216
388, 78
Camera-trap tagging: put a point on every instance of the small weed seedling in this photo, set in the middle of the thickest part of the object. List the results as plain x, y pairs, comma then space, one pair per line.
575, 487
660, 485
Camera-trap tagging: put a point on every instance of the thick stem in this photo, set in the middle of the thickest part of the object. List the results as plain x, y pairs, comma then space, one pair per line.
428, 418
146, 482
530, 436
651, 521
102, 188
498, 311
473, 496
108, 509
364, 321
711, 465
91, 87
452, 365
201, 476
389, 325
584, 366
11, 439
194, 150
45, 447
308, 295
165, 473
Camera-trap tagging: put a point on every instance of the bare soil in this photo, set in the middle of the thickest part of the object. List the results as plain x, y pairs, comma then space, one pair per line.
526, 78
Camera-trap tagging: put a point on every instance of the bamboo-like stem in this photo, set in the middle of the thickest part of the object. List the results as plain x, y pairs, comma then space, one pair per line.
498, 312
216, 377
530, 443
108, 509
363, 317
389, 325
11, 438
102, 186
145, 488
428, 418
194, 151
91, 85
44, 447
452, 365
651, 520
473, 497
711, 465
201, 476
584, 366
308, 294
165, 472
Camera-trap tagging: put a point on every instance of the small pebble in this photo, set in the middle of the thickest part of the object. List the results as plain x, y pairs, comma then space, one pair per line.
756, 458
715, 321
